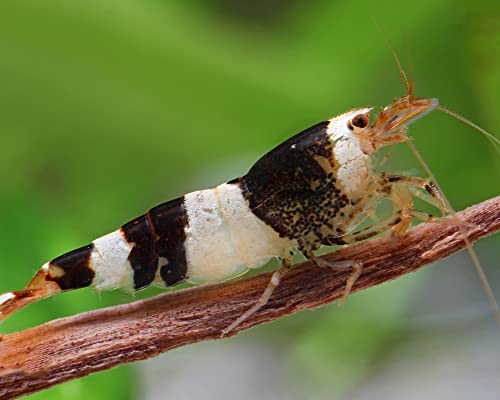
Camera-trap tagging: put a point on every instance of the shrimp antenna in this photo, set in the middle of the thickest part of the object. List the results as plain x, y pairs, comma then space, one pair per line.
410, 90
475, 260
409, 86
412, 80
484, 132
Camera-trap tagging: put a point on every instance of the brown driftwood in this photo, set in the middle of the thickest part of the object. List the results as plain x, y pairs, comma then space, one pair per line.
73, 347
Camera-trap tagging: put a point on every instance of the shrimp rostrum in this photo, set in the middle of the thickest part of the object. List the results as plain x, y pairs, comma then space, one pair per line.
317, 188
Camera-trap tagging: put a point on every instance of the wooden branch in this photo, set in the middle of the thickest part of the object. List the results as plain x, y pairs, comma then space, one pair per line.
72, 347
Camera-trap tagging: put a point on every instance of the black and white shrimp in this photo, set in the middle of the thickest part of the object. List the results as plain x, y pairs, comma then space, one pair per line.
317, 188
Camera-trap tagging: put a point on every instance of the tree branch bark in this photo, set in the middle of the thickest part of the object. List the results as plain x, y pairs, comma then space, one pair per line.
72, 347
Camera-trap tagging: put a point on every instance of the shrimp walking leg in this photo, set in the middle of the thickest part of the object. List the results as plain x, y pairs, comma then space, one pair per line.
264, 298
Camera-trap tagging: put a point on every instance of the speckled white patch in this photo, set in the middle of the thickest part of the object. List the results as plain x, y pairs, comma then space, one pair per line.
110, 263
353, 169
224, 238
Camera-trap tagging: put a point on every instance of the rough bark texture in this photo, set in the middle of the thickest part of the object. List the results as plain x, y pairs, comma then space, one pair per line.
72, 347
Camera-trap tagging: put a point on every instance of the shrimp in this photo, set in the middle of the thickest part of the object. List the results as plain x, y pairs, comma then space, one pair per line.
317, 188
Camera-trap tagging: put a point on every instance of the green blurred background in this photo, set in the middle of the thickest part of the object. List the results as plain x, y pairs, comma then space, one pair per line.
108, 108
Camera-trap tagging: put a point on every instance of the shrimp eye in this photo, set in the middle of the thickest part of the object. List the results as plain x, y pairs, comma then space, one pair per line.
359, 121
